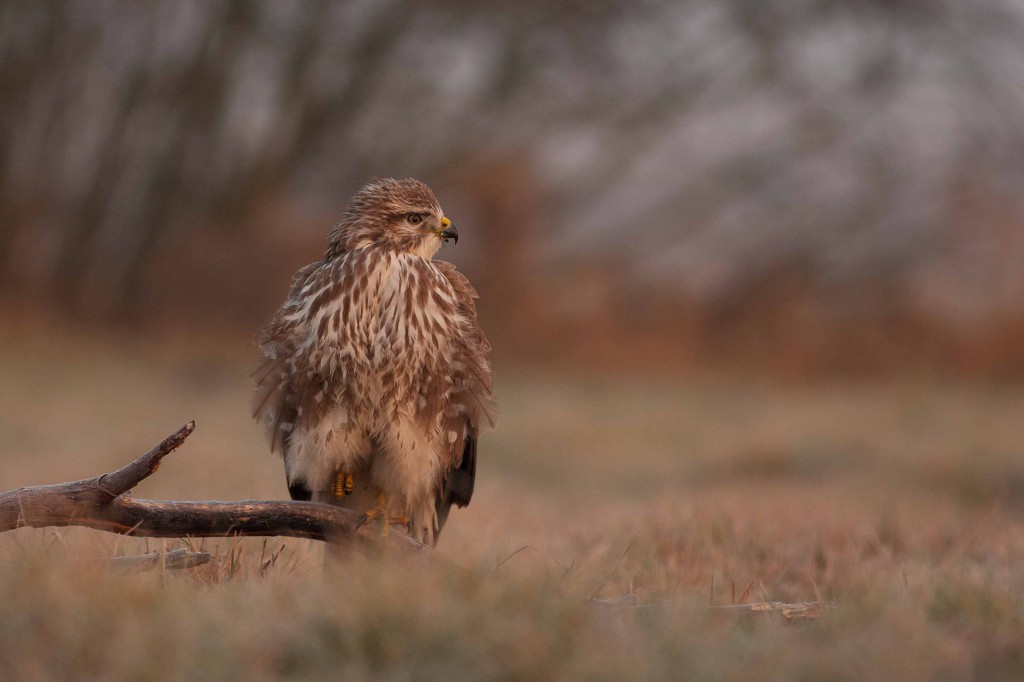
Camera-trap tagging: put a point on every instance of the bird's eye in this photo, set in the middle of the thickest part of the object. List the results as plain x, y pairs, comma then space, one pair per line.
415, 219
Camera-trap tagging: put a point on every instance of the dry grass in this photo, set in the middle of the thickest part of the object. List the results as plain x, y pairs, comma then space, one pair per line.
902, 503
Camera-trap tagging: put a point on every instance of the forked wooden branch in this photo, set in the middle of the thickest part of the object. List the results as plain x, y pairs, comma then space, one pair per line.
104, 503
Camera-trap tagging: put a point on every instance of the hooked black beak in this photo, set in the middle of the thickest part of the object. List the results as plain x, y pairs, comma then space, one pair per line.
449, 232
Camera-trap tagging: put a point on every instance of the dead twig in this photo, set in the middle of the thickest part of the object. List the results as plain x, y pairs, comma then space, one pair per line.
104, 503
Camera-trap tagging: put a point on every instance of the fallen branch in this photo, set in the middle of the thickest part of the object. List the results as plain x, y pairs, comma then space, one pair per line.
104, 503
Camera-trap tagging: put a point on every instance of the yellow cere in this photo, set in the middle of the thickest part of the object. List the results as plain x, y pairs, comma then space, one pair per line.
445, 222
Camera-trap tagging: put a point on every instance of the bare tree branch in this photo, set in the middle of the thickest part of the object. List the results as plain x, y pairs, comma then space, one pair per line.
103, 503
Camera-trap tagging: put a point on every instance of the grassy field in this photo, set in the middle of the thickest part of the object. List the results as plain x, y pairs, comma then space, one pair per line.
901, 503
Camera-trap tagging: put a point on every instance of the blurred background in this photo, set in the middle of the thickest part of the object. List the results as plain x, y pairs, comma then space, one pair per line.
793, 189
715, 242
753, 271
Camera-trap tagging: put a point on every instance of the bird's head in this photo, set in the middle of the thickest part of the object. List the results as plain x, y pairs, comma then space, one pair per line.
401, 215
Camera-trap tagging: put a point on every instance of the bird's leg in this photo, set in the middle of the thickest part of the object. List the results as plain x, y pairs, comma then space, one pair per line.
343, 484
379, 512
399, 520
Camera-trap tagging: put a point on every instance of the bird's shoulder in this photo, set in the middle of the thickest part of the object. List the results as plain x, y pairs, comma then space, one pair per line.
309, 283
465, 295
286, 320
464, 291
443, 278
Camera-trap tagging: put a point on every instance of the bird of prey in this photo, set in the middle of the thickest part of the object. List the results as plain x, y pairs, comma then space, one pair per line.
376, 378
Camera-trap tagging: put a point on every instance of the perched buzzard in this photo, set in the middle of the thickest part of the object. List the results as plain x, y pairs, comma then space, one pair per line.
376, 377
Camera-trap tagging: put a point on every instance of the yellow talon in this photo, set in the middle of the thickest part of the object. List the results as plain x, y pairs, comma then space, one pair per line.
343, 485
380, 511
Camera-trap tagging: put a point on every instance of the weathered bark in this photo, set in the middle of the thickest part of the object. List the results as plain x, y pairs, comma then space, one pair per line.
104, 503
